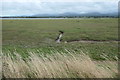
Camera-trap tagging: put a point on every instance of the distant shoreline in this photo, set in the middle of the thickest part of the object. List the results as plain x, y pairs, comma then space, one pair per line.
53, 18
36, 18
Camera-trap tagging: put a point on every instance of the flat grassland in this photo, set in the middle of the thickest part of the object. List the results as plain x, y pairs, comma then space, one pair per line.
96, 38
75, 29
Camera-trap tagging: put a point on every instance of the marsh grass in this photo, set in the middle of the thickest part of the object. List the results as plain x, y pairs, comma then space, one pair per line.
34, 32
56, 65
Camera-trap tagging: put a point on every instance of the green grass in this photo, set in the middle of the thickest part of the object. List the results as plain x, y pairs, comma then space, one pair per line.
36, 31
30, 51
95, 50
24, 35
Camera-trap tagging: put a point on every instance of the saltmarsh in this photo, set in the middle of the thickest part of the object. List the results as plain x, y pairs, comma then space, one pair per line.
31, 34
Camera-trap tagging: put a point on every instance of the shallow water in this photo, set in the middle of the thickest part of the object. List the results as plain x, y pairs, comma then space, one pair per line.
36, 18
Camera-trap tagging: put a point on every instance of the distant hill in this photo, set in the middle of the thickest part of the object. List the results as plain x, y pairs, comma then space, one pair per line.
77, 14
70, 14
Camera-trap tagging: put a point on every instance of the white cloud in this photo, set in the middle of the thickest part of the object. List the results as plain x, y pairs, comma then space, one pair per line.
20, 7
60, 0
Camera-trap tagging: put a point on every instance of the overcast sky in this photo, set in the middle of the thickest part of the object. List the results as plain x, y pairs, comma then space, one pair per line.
31, 7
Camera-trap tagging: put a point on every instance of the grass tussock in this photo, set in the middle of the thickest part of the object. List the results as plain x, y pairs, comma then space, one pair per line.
56, 65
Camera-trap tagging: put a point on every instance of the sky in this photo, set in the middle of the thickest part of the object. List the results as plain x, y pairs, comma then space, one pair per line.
32, 7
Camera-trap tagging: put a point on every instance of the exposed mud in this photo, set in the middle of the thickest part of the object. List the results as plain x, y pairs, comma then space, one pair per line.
92, 41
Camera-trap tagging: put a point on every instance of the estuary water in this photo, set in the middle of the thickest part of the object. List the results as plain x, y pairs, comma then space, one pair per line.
32, 18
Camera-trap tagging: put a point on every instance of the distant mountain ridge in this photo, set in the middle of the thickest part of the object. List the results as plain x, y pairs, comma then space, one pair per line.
77, 14
72, 14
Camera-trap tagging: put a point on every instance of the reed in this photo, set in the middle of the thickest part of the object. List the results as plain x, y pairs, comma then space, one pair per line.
56, 65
